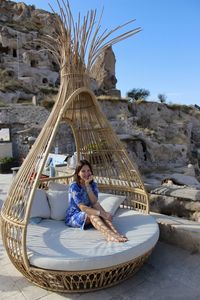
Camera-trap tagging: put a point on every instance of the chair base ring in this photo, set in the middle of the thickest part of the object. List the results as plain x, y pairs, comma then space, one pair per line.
85, 281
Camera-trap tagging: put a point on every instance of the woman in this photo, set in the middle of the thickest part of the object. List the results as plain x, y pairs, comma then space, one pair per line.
84, 209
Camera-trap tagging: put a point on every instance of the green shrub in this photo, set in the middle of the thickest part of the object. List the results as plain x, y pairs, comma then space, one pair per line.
48, 103
6, 160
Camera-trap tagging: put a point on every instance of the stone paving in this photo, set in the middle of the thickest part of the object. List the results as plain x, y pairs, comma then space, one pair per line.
171, 273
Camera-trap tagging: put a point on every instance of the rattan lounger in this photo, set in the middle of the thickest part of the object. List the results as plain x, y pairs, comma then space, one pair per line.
76, 48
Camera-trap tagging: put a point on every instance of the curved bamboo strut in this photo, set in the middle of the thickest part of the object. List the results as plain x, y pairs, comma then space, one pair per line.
78, 46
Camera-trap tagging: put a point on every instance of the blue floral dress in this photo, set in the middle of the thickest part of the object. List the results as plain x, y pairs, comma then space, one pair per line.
77, 194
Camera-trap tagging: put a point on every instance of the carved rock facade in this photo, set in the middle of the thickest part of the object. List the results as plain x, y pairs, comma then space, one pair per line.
35, 71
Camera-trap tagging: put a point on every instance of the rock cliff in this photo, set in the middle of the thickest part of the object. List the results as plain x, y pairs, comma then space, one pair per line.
158, 136
27, 70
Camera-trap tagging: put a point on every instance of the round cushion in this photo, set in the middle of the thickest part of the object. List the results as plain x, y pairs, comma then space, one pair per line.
53, 245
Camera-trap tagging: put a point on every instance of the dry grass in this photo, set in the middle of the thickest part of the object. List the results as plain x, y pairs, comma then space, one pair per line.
197, 114
2, 104
47, 90
140, 101
111, 98
149, 132
8, 82
184, 108
48, 102
25, 26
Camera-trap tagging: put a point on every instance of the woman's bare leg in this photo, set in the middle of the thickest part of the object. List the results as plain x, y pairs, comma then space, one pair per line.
100, 225
107, 222
111, 226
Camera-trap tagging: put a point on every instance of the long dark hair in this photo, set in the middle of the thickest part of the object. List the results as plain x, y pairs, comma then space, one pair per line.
79, 166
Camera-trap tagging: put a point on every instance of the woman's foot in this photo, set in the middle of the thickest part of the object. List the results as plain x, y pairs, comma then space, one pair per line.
112, 239
114, 230
123, 237
116, 238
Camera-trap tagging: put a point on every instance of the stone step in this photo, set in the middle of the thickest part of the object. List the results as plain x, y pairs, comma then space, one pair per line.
179, 232
178, 192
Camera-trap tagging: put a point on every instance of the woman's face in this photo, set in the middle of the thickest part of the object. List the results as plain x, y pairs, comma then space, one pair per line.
85, 173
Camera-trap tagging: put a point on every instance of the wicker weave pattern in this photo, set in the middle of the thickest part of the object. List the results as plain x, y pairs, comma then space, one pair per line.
85, 281
95, 141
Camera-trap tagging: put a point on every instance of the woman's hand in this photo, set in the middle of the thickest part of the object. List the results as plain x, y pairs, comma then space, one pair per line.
103, 214
88, 180
106, 216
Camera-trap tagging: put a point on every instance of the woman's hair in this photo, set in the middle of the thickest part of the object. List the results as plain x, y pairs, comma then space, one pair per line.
82, 163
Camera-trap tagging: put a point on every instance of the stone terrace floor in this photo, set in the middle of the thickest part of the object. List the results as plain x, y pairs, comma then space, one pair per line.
171, 273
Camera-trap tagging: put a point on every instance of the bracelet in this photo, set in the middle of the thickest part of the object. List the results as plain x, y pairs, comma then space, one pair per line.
88, 189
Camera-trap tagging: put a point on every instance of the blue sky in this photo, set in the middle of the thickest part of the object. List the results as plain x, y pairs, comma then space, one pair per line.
164, 57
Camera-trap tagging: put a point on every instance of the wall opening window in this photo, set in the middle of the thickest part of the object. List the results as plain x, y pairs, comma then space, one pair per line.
44, 80
14, 52
34, 63
4, 135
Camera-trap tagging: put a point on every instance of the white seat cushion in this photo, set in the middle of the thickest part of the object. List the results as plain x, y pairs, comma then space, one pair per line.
58, 201
57, 195
55, 246
40, 207
110, 202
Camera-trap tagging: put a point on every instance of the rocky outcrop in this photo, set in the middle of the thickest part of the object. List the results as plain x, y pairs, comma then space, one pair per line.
34, 70
187, 207
164, 136
103, 73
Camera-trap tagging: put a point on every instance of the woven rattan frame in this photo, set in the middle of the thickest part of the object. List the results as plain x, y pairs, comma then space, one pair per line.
86, 281
95, 141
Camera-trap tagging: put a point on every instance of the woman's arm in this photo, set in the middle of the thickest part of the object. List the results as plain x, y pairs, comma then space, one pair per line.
94, 200
90, 211
104, 214
91, 195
